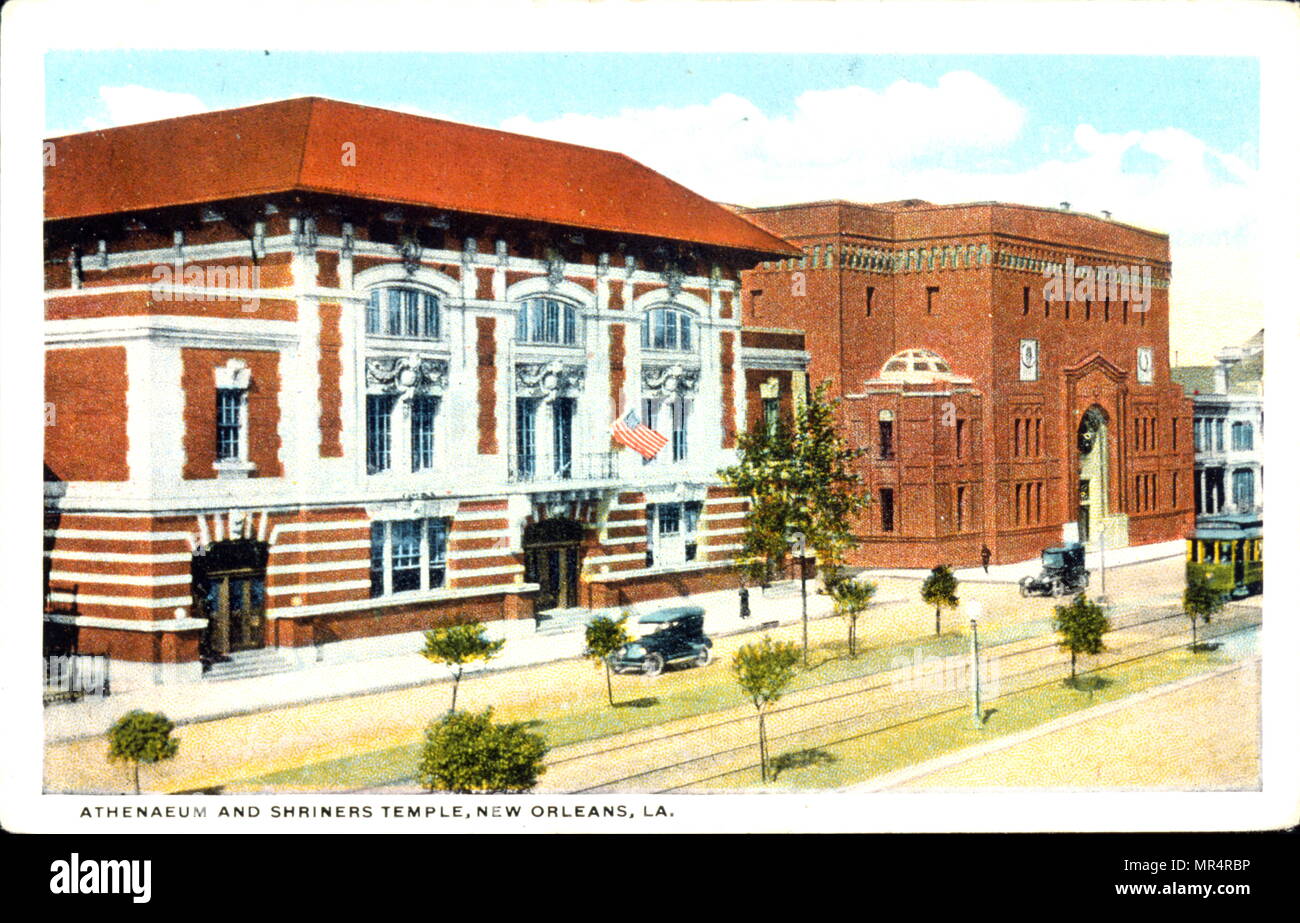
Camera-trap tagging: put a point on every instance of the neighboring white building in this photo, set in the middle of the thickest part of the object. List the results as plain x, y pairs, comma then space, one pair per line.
1228, 428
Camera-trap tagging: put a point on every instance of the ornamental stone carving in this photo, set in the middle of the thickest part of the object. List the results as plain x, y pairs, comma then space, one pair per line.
548, 380
668, 380
397, 374
555, 272
411, 251
673, 279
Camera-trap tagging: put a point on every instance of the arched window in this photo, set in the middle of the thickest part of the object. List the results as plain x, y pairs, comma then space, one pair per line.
404, 312
545, 320
666, 328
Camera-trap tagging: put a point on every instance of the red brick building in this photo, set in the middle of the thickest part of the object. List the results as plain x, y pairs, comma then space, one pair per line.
322, 374
1004, 403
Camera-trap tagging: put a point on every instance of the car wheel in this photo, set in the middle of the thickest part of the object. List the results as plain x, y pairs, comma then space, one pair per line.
704, 657
1083, 584
1058, 588
1024, 587
653, 666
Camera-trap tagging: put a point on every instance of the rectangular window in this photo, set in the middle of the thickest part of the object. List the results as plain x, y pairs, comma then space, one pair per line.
961, 433
670, 518
374, 319
379, 436
1173, 489
1020, 511
229, 412
886, 438
1243, 490
1124, 316
871, 294
562, 426
886, 509
526, 437
680, 414
431, 327
771, 414
1087, 309
377, 544
1173, 434
410, 313
691, 526
394, 317
1243, 437
1218, 435
423, 411
961, 507
1024, 305
437, 538
406, 555
404, 551
931, 299
1038, 433
1015, 439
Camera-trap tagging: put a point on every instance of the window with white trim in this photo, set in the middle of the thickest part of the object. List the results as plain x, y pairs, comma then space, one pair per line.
404, 312
667, 329
424, 410
233, 382
408, 556
672, 532
230, 423
379, 432
546, 320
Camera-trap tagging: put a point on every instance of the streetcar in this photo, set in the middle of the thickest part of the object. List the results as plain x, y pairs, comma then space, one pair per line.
1229, 549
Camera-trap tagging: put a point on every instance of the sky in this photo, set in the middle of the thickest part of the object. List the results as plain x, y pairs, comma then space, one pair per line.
1169, 143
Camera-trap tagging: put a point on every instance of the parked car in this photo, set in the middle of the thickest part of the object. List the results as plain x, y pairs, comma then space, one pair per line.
678, 637
1063, 573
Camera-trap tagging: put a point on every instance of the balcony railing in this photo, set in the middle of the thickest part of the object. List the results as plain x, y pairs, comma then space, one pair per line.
580, 466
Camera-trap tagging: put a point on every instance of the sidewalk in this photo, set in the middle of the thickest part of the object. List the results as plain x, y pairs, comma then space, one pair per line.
186, 703
1011, 573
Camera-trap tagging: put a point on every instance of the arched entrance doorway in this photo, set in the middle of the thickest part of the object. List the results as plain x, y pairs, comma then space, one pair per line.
1094, 472
230, 592
552, 560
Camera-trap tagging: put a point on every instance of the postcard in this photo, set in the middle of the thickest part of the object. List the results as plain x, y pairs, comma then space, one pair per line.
665, 417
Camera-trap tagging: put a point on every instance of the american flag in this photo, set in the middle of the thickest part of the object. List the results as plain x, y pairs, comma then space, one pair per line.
631, 432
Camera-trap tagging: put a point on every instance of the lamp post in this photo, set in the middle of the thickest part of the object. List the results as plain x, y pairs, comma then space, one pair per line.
975, 609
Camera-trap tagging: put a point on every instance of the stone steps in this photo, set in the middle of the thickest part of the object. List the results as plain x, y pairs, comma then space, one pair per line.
247, 665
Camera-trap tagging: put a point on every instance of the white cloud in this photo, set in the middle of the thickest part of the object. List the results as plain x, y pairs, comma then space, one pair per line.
128, 105
872, 146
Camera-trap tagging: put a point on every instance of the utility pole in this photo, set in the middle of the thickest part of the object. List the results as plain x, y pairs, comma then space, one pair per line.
1103, 560
977, 713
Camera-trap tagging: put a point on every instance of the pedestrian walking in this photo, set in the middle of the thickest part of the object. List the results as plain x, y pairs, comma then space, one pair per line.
985, 557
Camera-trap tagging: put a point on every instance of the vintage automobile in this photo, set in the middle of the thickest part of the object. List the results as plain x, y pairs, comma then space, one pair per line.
1063, 573
678, 637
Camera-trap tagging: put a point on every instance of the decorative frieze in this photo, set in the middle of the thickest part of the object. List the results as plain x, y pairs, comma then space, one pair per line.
668, 380
548, 380
405, 374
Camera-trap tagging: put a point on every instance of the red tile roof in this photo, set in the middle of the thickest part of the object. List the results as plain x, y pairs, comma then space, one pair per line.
298, 145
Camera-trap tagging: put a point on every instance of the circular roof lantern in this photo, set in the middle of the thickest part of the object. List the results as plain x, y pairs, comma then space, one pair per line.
917, 366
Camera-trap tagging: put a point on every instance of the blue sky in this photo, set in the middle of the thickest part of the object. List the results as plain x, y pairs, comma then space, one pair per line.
1169, 143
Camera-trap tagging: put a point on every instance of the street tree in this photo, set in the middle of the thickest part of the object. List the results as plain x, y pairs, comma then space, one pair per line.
141, 737
940, 590
1081, 625
799, 480
605, 636
764, 670
1200, 599
457, 645
852, 597
466, 752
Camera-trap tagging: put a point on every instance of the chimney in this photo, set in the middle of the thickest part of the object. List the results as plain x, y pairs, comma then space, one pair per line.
1065, 206
1221, 377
